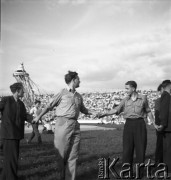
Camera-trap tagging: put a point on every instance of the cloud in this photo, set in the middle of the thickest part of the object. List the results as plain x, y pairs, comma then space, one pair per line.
106, 42
144, 59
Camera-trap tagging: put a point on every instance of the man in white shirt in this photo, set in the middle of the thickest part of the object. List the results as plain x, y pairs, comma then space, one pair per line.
35, 111
69, 104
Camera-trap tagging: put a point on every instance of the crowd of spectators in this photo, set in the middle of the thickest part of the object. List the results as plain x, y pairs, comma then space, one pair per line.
108, 100
100, 102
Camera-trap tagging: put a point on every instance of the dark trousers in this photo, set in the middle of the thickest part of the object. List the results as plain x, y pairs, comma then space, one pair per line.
134, 137
167, 150
35, 132
159, 148
11, 154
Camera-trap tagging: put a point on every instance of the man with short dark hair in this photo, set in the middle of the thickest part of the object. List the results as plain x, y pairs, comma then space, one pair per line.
69, 103
12, 129
134, 107
165, 117
159, 141
35, 111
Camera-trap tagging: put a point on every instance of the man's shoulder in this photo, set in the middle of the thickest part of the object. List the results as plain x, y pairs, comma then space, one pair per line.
79, 95
142, 96
60, 93
165, 95
7, 98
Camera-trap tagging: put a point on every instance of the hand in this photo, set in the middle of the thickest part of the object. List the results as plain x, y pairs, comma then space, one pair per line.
100, 115
44, 122
29, 118
156, 126
160, 128
94, 114
35, 120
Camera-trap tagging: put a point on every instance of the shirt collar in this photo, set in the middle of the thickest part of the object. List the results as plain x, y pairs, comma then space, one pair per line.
69, 89
138, 96
16, 100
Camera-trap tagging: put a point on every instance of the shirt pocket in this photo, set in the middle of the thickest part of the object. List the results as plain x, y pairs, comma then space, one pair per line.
128, 107
139, 107
67, 100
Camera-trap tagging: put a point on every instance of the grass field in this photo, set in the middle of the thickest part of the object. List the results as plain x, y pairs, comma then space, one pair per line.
40, 162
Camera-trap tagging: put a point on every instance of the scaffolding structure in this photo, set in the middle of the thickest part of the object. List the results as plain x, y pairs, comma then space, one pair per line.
31, 90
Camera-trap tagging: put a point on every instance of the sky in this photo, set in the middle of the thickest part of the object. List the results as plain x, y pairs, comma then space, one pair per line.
108, 42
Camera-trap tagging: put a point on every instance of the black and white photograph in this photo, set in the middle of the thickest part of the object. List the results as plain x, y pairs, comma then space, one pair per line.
85, 89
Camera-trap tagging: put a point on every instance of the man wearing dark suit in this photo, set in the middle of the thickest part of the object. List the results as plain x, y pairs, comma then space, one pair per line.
159, 141
12, 129
165, 117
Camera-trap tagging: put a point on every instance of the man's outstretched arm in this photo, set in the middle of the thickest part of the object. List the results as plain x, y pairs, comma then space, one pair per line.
107, 113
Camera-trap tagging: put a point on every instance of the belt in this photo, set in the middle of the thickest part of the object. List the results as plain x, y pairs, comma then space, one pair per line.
66, 118
134, 119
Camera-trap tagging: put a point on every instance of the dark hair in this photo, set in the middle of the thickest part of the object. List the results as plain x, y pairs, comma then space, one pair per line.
159, 87
166, 83
132, 84
16, 86
70, 76
37, 101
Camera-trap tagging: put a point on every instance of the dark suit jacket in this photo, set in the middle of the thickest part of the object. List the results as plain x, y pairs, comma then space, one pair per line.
13, 118
165, 111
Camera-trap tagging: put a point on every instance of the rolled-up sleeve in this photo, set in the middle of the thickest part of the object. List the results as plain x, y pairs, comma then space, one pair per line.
55, 101
120, 107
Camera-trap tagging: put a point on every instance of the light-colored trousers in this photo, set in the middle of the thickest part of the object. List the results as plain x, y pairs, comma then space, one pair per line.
67, 142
